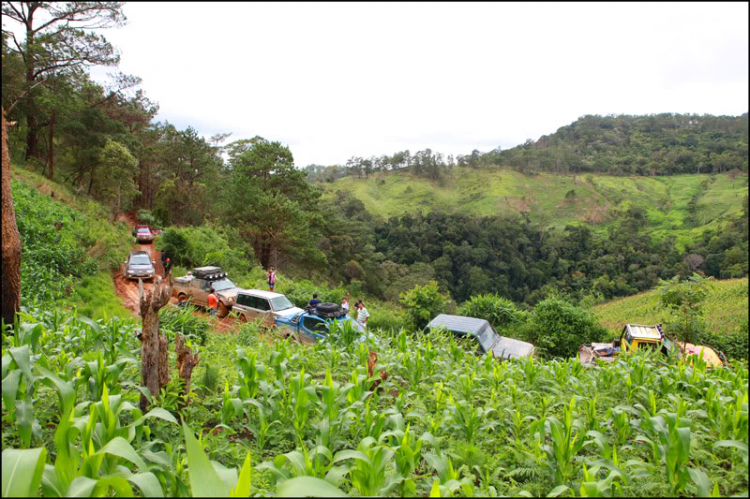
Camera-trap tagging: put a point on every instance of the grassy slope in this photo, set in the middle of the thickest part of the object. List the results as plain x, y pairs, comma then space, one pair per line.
483, 193
725, 308
95, 294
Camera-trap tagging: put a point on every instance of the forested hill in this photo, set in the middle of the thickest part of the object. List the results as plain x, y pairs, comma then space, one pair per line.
662, 144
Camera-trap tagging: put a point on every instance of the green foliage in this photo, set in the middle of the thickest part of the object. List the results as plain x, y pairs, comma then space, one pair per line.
147, 217
684, 300
204, 245
185, 322
423, 303
558, 328
498, 311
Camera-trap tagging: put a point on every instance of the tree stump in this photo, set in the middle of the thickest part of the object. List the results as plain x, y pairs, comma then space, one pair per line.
154, 353
186, 361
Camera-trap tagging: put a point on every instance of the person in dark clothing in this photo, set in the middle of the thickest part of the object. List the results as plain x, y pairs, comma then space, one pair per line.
314, 302
167, 267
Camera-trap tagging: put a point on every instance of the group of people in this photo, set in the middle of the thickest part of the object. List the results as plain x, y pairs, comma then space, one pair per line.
362, 313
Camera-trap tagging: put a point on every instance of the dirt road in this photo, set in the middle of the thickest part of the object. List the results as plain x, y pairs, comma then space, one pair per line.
127, 289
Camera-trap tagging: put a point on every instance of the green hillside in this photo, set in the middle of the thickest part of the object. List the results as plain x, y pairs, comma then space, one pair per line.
597, 199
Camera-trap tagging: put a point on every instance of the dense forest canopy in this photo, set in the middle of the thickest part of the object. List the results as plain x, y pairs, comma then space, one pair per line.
103, 140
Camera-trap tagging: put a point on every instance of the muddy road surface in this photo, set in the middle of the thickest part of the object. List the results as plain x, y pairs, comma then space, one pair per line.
127, 289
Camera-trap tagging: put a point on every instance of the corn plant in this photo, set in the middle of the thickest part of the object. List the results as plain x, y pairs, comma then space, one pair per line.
19, 386
369, 467
565, 444
468, 419
316, 463
671, 438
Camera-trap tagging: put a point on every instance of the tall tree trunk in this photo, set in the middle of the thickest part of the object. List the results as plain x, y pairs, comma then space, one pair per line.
51, 147
11, 242
32, 137
154, 354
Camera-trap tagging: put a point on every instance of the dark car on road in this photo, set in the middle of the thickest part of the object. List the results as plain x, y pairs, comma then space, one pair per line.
139, 266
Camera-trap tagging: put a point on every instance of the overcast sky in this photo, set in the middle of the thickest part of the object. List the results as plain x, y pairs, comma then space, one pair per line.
336, 80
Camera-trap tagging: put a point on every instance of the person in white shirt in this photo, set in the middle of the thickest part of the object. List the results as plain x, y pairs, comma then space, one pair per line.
362, 315
345, 304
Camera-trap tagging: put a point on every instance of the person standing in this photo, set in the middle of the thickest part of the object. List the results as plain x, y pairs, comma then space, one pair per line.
271, 279
213, 302
345, 304
314, 302
362, 315
167, 267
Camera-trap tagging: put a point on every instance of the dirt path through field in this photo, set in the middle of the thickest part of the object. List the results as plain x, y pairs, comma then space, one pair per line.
127, 289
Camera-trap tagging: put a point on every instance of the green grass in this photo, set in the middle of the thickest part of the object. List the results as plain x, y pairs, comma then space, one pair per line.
725, 308
96, 297
598, 198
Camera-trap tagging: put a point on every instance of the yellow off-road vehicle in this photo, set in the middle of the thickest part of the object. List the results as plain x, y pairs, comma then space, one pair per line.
638, 336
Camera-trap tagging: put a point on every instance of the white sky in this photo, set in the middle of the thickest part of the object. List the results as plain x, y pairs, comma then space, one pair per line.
337, 80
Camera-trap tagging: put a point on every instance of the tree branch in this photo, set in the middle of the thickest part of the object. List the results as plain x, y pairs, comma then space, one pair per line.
23, 94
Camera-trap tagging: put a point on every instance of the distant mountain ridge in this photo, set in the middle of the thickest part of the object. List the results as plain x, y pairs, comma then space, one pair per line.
659, 144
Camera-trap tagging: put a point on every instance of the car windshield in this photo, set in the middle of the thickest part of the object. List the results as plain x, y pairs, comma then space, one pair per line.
144, 231
487, 337
222, 284
281, 303
140, 260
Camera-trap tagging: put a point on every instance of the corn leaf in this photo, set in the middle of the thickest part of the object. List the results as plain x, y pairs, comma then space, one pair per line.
307, 486
22, 471
204, 480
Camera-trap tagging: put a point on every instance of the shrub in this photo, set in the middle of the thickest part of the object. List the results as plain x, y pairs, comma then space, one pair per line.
205, 245
384, 319
684, 300
422, 303
185, 322
148, 218
558, 328
498, 311
734, 344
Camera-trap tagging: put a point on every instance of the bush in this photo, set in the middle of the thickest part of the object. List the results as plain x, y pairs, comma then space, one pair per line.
183, 321
498, 311
148, 218
734, 344
384, 319
558, 328
204, 245
423, 303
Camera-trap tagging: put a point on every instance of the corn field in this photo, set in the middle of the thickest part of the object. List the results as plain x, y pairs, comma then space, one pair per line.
404, 416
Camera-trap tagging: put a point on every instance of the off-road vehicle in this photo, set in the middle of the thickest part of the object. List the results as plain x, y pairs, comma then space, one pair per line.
196, 286
143, 234
139, 266
484, 334
254, 304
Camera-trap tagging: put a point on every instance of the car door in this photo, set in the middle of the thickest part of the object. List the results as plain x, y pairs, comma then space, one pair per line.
200, 290
263, 308
242, 307
313, 328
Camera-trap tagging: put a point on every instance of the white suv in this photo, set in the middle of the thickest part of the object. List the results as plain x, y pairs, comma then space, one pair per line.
252, 304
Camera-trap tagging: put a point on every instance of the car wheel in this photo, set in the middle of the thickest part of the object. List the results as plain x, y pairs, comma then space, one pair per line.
242, 318
223, 310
